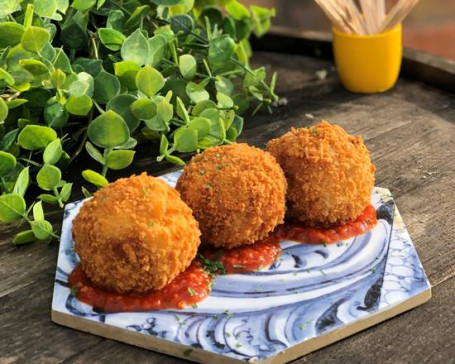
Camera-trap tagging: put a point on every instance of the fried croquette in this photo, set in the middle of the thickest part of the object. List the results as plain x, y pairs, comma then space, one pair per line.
329, 173
237, 194
135, 235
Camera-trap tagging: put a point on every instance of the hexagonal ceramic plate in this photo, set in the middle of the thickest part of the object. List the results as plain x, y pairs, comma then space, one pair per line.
311, 297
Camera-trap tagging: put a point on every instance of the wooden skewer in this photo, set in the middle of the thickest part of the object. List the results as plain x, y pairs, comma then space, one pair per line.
369, 17
403, 8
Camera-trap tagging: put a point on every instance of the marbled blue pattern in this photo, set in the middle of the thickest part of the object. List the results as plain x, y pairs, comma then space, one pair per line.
310, 290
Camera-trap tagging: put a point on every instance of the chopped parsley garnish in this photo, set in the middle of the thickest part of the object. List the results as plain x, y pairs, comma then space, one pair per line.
74, 291
219, 167
238, 345
373, 270
212, 266
187, 352
216, 316
191, 291
202, 172
325, 244
302, 327
146, 191
194, 305
315, 131
367, 220
150, 224
227, 334
208, 186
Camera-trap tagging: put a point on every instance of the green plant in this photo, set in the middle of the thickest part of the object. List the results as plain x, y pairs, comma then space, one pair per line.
103, 75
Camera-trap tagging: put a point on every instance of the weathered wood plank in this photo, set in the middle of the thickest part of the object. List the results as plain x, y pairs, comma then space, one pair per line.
411, 135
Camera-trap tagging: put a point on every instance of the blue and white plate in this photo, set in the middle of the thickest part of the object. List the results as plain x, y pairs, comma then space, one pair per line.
312, 296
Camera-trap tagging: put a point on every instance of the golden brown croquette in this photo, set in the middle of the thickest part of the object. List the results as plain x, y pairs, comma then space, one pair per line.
135, 235
329, 173
237, 194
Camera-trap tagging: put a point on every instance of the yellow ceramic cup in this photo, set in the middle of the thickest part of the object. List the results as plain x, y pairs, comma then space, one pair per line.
368, 63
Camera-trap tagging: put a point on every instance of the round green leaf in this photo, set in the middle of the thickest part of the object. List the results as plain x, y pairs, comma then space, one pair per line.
111, 38
83, 5
185, 139
10, 34
50, 199
7, 163
135, 48
58, 78
20, 187
143, 109
53, 152
237, 10
121, 105
149, 81
224, 85
224, 101
242, 103
201, 106
201, 125
188, 65
12, 207
48, 177
3, 110
182, 23
33, 66
196, 92
108, 130
119, 159
42, 229
38, 212
34, 38
94, 153
6, 77
55, 114
65, 192
157, 49
45, 8
94, 178
126, 71
107, 86
221, 49
24, 237
80, 106
34, 137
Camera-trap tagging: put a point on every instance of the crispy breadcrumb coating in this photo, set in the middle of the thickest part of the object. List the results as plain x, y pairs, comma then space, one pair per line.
135, 235
329, 173
237, 193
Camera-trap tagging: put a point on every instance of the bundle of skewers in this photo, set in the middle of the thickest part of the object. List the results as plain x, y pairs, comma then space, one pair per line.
365, 17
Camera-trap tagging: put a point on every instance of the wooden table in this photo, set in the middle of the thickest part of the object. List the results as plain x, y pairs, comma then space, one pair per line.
410, 132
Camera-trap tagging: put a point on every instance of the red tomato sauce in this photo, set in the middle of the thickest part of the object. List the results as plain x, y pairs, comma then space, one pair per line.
188, 288
194, 284
248, 258
317, 235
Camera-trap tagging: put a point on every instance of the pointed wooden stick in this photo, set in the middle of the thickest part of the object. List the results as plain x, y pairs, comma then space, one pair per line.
398, 14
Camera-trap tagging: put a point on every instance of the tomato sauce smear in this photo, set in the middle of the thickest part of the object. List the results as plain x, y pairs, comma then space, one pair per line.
188, 288
194, 284
321, 235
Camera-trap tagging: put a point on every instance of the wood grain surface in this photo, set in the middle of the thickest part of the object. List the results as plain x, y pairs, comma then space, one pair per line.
410, 132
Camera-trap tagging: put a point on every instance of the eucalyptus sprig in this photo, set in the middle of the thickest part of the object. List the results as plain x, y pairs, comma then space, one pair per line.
101, 76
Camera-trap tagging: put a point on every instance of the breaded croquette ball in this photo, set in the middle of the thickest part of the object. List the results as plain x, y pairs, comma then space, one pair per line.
329, 172
237, 194
135, 235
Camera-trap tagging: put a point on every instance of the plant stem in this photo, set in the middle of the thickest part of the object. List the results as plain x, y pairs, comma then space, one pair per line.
81, 146
94, 45
60, 203
99, 108
3, 183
